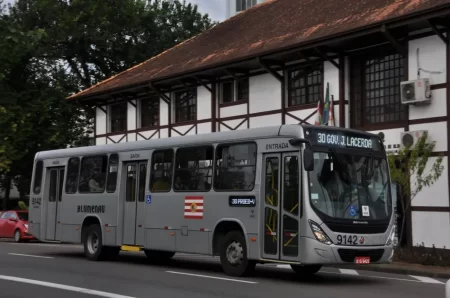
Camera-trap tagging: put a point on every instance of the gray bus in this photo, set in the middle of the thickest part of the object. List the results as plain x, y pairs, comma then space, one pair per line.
294, 194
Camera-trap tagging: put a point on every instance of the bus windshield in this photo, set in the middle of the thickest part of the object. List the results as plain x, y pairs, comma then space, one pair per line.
349, 186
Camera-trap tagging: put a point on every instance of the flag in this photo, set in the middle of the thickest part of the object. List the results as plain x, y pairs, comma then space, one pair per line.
193, 207
331, 114
319, 120
326, 108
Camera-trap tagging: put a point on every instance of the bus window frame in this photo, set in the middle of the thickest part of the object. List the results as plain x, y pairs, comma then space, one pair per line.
214, 165
106, 173
212, 162
150, 171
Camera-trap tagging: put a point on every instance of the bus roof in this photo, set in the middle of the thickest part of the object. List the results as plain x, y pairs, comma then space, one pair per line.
290, 130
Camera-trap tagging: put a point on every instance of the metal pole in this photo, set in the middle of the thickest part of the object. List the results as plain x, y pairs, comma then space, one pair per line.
447, 289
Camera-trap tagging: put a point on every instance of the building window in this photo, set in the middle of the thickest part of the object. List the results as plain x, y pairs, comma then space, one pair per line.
242, 5
118, 117
234, 91
376, 90
305, 85
186, 105
193, 169
149, 111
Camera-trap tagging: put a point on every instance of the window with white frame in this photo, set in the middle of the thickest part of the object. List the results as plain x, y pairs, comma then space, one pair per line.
242, 5
118, 117
149, 111
234, 91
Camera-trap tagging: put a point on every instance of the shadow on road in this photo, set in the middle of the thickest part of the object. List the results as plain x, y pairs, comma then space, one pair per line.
205, 265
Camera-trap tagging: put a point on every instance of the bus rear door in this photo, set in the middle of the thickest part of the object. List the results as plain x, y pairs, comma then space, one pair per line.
55, 176
134, 205
281, 214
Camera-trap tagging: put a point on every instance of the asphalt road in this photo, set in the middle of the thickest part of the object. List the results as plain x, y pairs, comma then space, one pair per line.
53, 270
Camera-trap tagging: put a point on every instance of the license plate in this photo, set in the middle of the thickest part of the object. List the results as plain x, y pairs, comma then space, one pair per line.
362, 260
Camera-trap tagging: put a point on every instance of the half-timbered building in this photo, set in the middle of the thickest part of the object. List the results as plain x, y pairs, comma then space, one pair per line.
271, 63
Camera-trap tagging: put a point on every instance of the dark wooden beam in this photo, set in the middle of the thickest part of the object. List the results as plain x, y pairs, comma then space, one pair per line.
324, 56
395, 43
159, 93
438, 32
267, 68
234, 75
203, 83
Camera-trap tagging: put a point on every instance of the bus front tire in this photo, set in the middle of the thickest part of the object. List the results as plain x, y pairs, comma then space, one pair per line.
233, 255
93, 245
306, 270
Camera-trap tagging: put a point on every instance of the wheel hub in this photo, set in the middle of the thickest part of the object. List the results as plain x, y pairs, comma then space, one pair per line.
92, 243
235, 253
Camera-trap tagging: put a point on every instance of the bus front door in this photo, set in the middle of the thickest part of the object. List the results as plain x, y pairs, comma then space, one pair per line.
281, 215
133, 226
55, 176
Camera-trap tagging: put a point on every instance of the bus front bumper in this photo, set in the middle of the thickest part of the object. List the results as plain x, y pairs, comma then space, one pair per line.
316, 252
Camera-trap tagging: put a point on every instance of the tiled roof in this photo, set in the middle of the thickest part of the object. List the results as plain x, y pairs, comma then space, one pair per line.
264, 28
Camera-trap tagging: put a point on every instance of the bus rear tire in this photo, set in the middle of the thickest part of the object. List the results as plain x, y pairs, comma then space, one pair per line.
93, 245
306, 270
233, 255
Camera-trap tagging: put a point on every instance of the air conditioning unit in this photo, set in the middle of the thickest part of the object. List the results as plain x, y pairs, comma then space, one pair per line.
410, 138
415, 92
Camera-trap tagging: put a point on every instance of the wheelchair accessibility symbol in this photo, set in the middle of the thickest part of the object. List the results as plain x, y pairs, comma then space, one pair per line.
353, 211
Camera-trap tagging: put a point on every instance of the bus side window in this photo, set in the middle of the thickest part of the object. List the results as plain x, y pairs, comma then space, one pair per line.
93, 174
73, 170
38, 177
161, 171
113, 166
193, 169
235, 167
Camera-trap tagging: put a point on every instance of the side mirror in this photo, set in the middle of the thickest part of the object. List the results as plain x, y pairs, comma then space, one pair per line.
12, 219
308, 159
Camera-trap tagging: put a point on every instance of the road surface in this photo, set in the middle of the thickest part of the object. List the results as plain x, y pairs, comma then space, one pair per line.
54, 270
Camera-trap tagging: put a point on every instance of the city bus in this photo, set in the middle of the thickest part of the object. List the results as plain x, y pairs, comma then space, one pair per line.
300, 195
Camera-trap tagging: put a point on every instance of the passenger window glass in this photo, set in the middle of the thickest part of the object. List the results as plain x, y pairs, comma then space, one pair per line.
142, 179
235, 167
38, 177
5, 215
131, 183
12, 215
53, 185
93, 174
73, 169
112, 173
271, 179
291, 185
161, 171
193, 169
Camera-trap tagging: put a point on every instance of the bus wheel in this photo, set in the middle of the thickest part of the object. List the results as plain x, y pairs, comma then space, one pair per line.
158, 256
306, 270
93, 246
233, 255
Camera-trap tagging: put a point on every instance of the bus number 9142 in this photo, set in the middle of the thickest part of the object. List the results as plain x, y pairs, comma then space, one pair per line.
347, 239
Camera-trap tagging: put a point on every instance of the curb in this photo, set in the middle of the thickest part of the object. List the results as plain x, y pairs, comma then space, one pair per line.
395, 270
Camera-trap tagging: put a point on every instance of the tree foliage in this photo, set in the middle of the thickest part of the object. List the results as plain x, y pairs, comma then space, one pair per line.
50, 49
411, 171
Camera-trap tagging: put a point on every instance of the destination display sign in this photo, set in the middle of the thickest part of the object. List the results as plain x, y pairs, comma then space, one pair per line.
242, 201
342, 139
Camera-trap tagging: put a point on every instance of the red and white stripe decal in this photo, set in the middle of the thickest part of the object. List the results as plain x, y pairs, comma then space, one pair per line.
193, 207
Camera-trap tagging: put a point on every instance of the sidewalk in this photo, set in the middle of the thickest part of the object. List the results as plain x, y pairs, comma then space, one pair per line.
402, 268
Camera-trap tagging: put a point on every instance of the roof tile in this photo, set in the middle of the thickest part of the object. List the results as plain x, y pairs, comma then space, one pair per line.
269, 26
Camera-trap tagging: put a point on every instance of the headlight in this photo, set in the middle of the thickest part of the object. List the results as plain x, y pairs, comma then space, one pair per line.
320, 235
26, 226
391, 238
